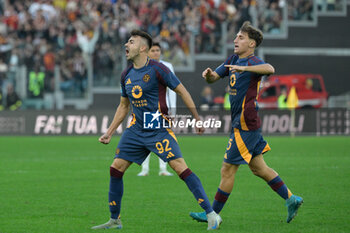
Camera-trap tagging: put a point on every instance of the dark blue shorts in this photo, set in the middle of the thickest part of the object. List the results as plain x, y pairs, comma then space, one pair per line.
245, 145
135, 145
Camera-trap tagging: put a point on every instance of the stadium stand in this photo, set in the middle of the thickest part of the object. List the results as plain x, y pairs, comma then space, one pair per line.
76, 46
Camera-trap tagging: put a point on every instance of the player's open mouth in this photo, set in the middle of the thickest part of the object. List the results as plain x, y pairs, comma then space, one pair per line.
126, 51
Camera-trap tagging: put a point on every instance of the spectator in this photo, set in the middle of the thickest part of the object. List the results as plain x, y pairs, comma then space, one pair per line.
245, 14
13, 65
309, 85
67, 79
300, 10
1, 100
105, 61
49, 64
3, 72
207, 29
86, 38
282, 99
1, 7
44, 7
227, 104
13, 102
79, 73
39, 29
36, 83
331, 5
207, 98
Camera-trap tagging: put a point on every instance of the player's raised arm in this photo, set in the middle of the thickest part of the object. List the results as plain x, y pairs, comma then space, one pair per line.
186, 97
119, 116
210, 76
259, 69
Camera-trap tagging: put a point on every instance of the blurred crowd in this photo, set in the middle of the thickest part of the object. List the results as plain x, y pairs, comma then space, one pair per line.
270, 16
301, 10
72, 34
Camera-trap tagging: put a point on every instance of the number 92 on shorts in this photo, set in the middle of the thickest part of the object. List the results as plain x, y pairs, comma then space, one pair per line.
135, 145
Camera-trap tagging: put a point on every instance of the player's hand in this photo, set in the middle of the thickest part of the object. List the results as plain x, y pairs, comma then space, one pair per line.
236, 68
207, 74
200, 131
105, 139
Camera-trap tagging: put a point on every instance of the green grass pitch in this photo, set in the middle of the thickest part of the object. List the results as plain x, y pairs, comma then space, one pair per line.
60, 184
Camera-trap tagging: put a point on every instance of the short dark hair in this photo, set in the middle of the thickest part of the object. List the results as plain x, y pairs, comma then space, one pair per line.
157, 44
143, 34
253, 32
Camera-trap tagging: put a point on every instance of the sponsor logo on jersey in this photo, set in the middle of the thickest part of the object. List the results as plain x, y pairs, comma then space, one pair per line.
136, 92
128, 82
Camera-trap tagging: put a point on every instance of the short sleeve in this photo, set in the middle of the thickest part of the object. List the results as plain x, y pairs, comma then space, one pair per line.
122, 89
167, 77
122, 82
253, 61
172, 81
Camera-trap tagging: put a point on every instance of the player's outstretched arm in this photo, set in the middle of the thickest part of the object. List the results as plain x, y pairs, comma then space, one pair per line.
259, 69
186, 97
210, 76
119, 116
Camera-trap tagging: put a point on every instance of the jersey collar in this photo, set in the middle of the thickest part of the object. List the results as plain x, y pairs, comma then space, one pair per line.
146, 64
245, 58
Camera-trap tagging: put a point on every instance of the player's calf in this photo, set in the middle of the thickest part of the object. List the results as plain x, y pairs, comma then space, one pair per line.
195, 186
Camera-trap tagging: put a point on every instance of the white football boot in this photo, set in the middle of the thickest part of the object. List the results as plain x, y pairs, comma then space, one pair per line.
112, 223
214, 221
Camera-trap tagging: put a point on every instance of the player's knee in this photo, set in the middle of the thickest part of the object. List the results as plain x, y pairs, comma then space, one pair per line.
116, 165
227, 171
256, 171
120, 165
260, 171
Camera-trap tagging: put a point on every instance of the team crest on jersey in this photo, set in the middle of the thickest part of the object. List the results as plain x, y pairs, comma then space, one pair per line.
146, 78
117, 151
136, 92
128, 82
